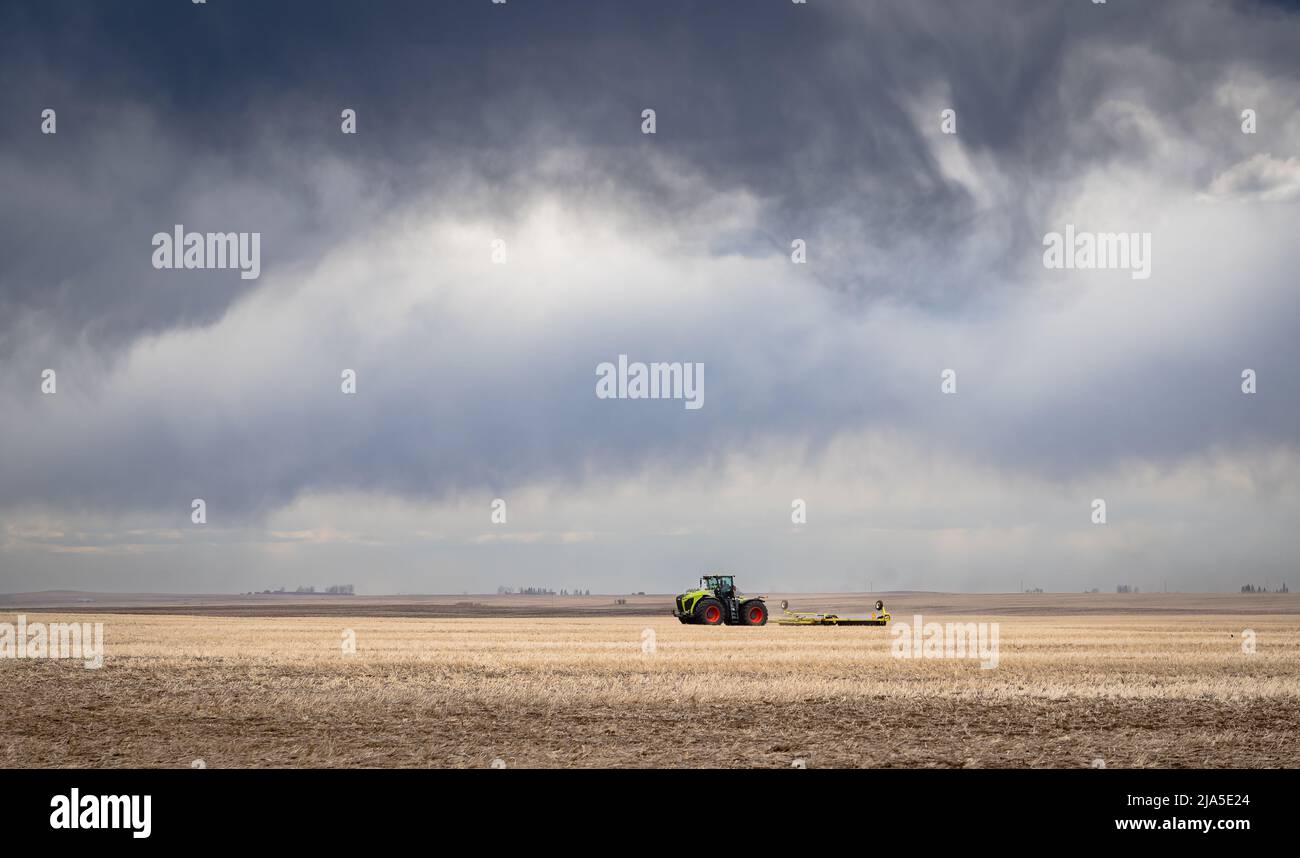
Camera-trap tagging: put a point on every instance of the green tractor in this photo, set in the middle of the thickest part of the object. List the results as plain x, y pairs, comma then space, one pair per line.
717, 601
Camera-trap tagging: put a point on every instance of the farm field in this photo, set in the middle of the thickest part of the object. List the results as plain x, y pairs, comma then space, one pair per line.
1165, 686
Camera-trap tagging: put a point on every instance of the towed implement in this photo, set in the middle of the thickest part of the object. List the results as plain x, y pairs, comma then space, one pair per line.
879, 617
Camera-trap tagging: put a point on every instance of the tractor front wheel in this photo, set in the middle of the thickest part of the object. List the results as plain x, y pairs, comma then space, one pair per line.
753, 613
709, 612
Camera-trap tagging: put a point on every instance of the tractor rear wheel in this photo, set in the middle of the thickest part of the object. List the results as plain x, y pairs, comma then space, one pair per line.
709, 612
753, 613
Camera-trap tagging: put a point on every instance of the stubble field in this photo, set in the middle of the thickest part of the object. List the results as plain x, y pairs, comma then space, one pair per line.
1069, 690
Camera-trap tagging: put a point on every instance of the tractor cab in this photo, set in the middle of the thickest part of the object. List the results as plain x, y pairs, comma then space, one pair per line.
723, 586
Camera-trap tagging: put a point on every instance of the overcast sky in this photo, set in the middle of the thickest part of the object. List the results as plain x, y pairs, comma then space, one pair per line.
523, 122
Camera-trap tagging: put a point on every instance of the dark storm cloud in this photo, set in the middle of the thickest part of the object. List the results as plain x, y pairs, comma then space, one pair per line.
164, 107
224, 116
807, 106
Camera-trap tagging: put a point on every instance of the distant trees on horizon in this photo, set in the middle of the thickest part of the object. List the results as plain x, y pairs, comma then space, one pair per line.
1251, 588
332, 590
538, 591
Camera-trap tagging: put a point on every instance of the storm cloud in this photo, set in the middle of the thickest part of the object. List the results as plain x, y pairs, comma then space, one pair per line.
522, 123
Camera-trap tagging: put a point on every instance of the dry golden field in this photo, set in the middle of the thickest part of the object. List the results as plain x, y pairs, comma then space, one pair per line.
1142, 689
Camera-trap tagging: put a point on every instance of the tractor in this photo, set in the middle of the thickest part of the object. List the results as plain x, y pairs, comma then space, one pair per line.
717, 601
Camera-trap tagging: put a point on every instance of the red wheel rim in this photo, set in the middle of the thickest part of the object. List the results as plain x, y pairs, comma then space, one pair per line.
711, 614
755, 614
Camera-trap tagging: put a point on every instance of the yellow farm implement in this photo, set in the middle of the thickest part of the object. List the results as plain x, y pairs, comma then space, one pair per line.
879, 617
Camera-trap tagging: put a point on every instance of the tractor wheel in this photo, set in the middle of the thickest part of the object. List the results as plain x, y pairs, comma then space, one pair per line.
709, 612
753, 613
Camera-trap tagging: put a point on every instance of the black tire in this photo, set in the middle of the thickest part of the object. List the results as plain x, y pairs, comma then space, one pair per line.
708, 612
753, 613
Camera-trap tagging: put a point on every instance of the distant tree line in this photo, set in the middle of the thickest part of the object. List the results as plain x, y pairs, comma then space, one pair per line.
538, 591
332, 590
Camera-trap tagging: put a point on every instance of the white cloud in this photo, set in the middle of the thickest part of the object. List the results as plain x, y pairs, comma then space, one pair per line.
1260, 177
